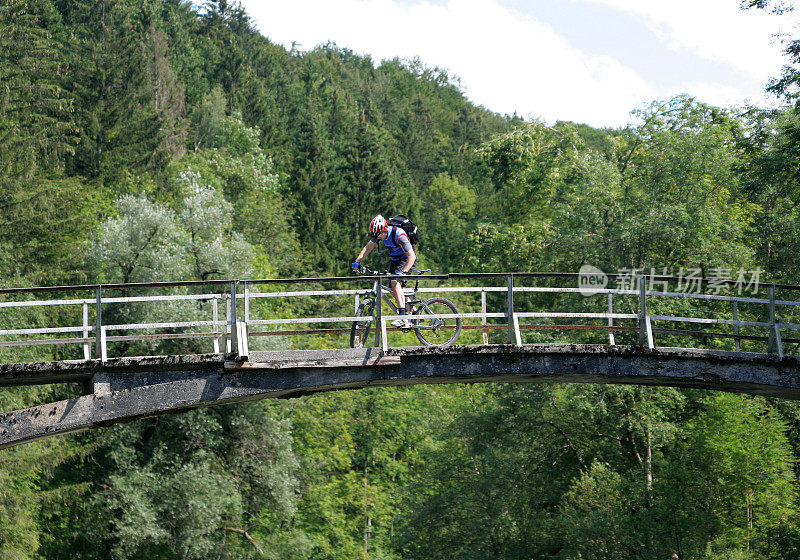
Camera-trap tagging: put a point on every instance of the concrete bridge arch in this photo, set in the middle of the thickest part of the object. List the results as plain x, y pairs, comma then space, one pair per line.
126, 389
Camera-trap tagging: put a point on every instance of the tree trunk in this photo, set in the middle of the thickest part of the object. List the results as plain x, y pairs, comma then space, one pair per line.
367, 516
749, 520
648, 461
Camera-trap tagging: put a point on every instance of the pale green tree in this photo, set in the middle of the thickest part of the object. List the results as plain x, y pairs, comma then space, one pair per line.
143, 243
235, 166
214, 250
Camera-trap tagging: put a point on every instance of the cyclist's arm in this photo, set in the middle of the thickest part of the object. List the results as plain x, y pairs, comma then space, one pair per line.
366, 250
412, 258
408, 248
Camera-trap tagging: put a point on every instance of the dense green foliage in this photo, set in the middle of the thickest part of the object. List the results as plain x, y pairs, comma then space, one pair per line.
155, 140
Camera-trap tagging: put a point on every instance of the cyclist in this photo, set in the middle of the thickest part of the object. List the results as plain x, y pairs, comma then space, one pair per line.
401, 259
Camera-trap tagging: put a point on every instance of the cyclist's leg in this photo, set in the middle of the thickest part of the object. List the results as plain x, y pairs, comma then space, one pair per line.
399, 296
397, 286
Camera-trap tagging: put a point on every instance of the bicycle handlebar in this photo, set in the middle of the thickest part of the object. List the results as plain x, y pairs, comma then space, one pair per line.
363, 269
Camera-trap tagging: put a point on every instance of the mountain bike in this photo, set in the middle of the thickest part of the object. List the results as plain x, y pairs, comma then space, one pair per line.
430, 327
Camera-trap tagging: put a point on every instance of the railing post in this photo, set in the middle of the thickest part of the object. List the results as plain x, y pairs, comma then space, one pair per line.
246, 302
215, 318
513, 333
87, 351
103, 345
242, 342
242, 347
774, 331
483, 317
99, 341
384, 337
610, 320
517, 334
234, 336
379, 326
771, 319
227, 332
736, 326
643, 323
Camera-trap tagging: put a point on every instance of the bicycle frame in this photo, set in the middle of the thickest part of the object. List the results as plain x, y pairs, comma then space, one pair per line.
387, 296
386, 292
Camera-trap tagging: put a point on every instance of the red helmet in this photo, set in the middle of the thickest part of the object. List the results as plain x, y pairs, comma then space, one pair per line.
377, 225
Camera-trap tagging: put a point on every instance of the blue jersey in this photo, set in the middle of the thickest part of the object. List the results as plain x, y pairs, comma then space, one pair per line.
397, 242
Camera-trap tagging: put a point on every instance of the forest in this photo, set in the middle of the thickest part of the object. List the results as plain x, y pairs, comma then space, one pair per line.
163, 140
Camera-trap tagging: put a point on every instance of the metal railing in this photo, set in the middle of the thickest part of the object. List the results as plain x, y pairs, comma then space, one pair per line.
223, 312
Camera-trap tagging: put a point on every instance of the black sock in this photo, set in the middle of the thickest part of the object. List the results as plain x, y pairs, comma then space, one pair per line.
402, 311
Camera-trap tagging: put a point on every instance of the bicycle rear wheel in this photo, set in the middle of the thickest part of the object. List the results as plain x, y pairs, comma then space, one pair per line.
434, 330
359, 330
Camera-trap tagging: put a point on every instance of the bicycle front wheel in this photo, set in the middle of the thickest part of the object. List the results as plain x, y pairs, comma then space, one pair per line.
359, 330
434, 330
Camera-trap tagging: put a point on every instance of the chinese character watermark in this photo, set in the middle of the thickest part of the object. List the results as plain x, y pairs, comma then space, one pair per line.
718, 281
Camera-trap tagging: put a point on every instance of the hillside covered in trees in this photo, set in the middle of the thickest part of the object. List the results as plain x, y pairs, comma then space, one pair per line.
158, 140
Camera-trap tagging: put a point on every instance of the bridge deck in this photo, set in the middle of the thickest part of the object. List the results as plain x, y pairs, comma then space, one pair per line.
125, 389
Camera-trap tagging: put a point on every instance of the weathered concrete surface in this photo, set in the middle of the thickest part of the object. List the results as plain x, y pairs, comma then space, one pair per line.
127, 389
69, 371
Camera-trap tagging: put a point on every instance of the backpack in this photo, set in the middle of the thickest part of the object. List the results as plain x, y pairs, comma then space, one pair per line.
408, 226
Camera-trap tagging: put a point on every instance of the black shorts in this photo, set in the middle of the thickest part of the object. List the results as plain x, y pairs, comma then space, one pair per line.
395, 266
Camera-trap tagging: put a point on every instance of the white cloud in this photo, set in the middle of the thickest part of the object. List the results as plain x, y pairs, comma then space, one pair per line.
509, 62
716, 30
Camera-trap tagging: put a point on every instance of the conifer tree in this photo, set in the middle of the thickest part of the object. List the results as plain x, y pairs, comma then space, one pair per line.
35, 134
315, 186
132, 106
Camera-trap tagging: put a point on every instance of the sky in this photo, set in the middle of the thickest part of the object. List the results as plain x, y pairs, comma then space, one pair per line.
588, 61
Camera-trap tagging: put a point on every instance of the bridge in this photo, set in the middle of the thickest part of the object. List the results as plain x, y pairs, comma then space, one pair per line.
139, 350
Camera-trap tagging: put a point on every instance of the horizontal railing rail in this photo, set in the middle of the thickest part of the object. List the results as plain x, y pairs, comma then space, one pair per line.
227, 311
329, 279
